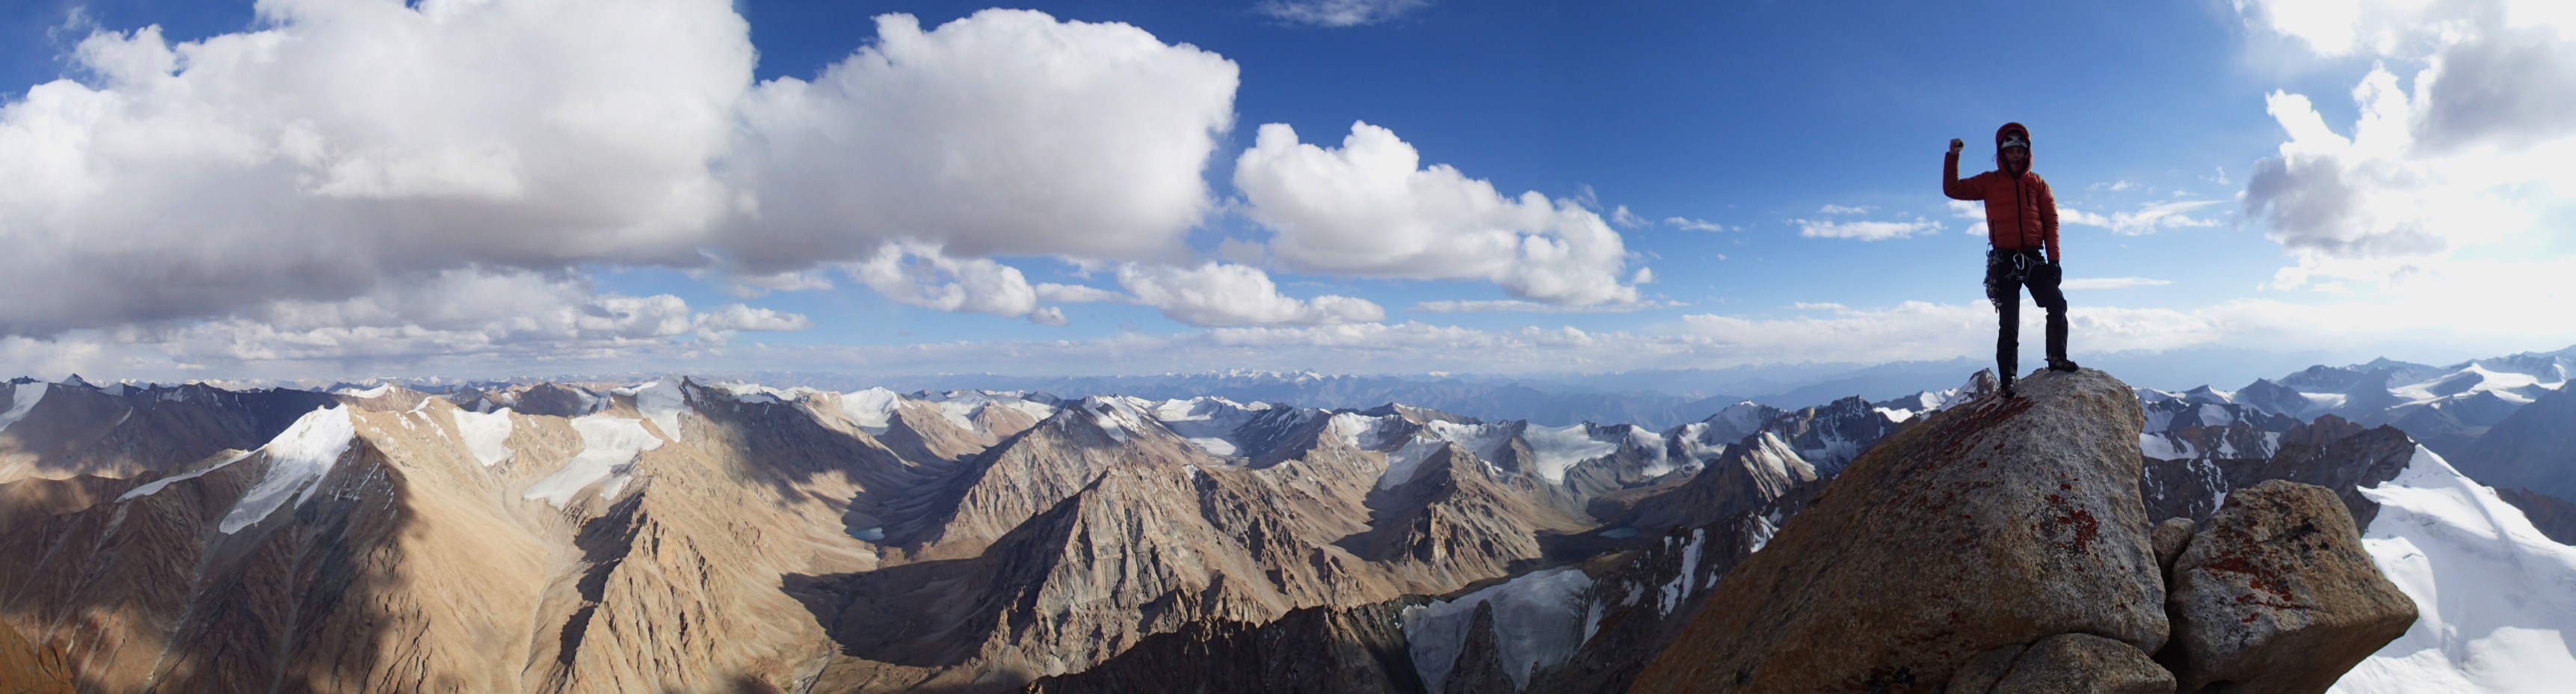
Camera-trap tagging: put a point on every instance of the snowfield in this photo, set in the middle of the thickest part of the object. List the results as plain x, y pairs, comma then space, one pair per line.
486, 435
2497, 599
609, 447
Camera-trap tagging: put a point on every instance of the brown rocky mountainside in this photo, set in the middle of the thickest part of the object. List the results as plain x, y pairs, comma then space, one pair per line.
682, 537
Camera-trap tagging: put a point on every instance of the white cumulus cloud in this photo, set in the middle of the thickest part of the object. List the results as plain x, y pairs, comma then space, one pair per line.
1370, 209
344, 144
1219, 294
1003, 133
922, 275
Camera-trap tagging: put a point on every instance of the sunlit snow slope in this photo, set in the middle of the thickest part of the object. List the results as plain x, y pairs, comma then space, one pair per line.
2498, 600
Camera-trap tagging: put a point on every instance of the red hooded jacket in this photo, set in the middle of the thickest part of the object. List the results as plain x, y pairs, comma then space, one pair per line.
2021, 213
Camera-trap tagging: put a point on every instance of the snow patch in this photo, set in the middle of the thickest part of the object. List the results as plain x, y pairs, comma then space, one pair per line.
872, 410
297, 461
21, 401
2497, 600
1679, 588
1401, 462
367, 394
609, 447
1557, 449
754, 393
2165, 447
155, 486
1539, 619
1762, 537
1116, 416
660, 401
1654, 445
961, 407
1209, 423
1695, 444
1487, 441
1365, 432
486, 435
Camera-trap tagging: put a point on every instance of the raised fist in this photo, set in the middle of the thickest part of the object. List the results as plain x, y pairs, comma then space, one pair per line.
1956, 144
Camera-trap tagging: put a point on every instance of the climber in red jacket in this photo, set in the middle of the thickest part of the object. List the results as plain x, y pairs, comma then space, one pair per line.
2021, 220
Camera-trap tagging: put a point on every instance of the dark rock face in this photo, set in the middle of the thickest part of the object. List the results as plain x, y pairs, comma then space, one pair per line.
2535, 448
1830, 436
1480, 666
1753, 474
2555, 517
2330, 452
1647, 598
2276, 595
1318, 650
2064, 664
2011, 521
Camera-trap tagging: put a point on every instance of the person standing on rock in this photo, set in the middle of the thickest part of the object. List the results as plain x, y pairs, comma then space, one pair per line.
2021, 221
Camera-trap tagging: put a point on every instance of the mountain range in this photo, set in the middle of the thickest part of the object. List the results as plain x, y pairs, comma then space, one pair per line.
678, 535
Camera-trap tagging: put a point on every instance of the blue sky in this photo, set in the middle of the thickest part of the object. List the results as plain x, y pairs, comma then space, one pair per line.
1733, 150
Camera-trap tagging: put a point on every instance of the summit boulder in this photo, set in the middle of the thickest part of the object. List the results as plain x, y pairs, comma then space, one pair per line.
1997, 522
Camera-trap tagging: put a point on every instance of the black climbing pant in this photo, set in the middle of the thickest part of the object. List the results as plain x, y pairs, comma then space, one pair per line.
2007, 272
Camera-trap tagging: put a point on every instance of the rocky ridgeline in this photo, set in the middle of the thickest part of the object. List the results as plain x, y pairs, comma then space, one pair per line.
2003, 547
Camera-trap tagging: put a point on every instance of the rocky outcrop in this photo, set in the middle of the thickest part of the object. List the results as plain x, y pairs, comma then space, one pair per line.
28, 668
2170, 537
2276, 595
2063, 664
1479, 667
2010, 521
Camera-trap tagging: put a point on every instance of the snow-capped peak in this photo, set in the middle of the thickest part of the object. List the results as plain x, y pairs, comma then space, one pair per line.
298, 459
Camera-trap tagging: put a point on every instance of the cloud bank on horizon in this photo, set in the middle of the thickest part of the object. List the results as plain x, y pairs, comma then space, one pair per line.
365, 186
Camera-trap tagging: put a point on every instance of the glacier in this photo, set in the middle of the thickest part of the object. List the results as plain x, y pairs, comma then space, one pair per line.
1539, 619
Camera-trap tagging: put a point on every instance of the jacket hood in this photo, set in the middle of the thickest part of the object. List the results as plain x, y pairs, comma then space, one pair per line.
2008, 130
2005, 133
